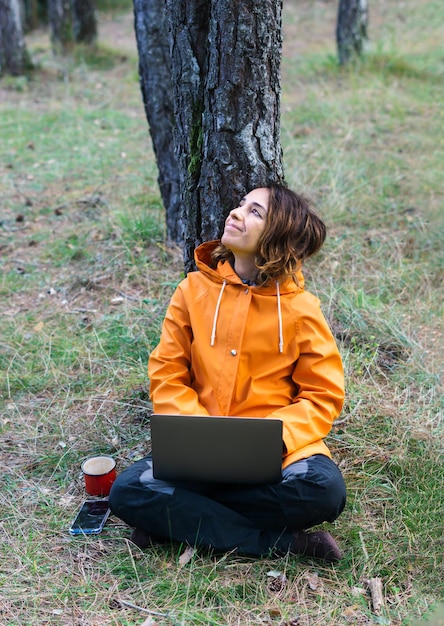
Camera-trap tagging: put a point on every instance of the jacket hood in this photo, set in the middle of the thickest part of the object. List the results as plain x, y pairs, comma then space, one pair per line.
225, 273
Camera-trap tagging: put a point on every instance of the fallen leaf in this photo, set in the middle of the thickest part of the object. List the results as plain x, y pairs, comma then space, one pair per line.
186, 556
313, 581
274, 573
38, 327
277, 581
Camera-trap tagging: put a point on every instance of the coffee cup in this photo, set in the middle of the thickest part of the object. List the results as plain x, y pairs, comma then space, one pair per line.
99, 473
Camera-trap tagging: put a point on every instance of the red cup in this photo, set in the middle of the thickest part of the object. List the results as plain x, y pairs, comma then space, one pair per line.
99, 473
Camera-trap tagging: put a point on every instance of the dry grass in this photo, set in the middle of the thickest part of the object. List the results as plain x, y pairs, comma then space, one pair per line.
85, 278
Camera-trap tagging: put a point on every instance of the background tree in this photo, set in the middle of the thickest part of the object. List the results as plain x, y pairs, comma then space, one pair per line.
157, 92
30, 14
60, 17
71, 21
225, 80
351, 28
84, 21
14, 58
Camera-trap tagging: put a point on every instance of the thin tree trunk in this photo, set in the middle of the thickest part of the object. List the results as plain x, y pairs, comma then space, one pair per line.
60, 16
84, 21
351, 28
30, 14
226, 76
14, 58
157, 93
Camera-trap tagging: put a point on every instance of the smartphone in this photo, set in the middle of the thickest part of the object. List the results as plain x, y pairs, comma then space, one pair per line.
90, 518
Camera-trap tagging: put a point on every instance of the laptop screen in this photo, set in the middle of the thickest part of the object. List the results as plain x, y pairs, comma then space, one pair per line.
243, 450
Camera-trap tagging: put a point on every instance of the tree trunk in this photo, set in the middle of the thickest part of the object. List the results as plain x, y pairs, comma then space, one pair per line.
351, 28
225, 69
14, 57
84, 21
157, 93
30, 14
60, 17
188, 24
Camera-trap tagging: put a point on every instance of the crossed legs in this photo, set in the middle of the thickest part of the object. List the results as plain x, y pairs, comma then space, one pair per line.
251, 520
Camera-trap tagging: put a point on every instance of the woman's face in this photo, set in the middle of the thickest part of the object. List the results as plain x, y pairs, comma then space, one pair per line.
245, 224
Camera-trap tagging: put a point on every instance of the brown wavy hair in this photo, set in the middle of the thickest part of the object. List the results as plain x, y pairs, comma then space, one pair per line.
293, 232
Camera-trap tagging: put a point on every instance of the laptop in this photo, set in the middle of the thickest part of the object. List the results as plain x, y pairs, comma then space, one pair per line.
232, 450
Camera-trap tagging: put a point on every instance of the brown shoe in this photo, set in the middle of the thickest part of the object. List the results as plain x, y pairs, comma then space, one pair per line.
319, 544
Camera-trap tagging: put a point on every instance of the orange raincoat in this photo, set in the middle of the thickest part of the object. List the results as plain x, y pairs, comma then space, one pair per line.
231, 349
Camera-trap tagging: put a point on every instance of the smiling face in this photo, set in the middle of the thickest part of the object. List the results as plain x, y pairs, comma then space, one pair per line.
270, 234
245, 224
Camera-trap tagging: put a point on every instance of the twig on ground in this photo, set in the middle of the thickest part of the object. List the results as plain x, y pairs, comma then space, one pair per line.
127, 296
141, 608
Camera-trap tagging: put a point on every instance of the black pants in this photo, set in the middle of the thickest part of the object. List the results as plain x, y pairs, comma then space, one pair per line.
253, 520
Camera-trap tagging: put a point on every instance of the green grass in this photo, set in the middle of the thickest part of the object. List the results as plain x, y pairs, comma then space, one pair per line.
85, 277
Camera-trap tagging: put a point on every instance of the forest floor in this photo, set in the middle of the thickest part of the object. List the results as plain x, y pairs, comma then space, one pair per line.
86, 274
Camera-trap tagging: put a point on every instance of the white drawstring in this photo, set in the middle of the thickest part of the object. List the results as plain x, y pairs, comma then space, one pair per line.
281, 337
216, 314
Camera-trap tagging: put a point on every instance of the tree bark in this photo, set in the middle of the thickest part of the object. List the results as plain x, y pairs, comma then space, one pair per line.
84, 21
351, 28
14, 58
60, 16
157, 93
30, 14
188, 24
225, 66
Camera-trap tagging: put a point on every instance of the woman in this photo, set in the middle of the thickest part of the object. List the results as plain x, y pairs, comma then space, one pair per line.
241, 337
